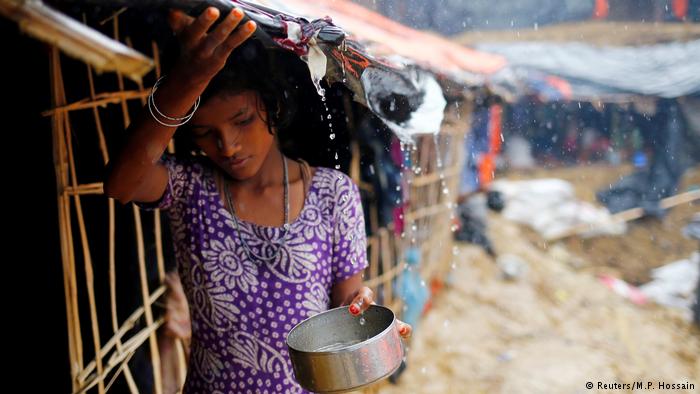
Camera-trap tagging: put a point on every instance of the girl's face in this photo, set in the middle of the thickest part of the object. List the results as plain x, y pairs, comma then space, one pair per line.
232, 131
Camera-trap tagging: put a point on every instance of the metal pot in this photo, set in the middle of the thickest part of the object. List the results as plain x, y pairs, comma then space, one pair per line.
333, 352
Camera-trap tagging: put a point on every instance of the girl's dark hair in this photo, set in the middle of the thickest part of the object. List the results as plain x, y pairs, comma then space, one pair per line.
306, 127
252, 67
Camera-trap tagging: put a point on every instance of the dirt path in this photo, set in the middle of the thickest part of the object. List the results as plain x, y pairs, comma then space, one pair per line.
549, 332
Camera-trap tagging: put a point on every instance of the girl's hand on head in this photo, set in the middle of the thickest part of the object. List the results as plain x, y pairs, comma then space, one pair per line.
203, 53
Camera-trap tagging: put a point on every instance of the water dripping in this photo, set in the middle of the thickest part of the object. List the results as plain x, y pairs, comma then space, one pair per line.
437, 151
343, 48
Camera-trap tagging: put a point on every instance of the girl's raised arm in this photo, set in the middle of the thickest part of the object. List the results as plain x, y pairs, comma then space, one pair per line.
135, 173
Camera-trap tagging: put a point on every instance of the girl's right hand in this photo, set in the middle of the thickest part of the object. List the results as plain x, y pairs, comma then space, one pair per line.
204, 54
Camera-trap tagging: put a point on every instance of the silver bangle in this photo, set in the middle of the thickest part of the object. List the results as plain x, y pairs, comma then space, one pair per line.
152, 105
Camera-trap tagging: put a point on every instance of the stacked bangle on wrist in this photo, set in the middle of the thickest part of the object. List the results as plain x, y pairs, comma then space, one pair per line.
169, 121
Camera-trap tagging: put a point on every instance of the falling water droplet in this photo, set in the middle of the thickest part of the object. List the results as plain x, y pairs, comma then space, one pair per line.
332, 136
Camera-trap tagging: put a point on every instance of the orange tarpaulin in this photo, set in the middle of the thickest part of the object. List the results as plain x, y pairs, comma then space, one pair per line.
487, 162
680, 8
601, 9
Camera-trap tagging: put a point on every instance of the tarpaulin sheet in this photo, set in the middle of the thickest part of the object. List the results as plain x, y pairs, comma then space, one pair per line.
666, 70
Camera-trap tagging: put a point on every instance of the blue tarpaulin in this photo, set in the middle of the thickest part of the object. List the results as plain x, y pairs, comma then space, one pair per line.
668, 70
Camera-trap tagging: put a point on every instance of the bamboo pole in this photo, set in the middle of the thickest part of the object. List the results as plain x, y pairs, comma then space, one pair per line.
77, 40
101, 100
111, 241
373, 256
128, 324
153, 341
87, 258
91, 188
384, 277
427, 211
386, 264
435, 177
130, 346
123, 366
74, 340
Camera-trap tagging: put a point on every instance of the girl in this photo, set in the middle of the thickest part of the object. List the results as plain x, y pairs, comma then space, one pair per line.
262, 241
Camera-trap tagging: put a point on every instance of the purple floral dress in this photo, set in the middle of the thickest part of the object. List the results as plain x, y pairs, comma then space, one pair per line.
242, 310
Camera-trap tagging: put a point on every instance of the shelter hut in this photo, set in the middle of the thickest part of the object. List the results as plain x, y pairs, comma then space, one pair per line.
102, 60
